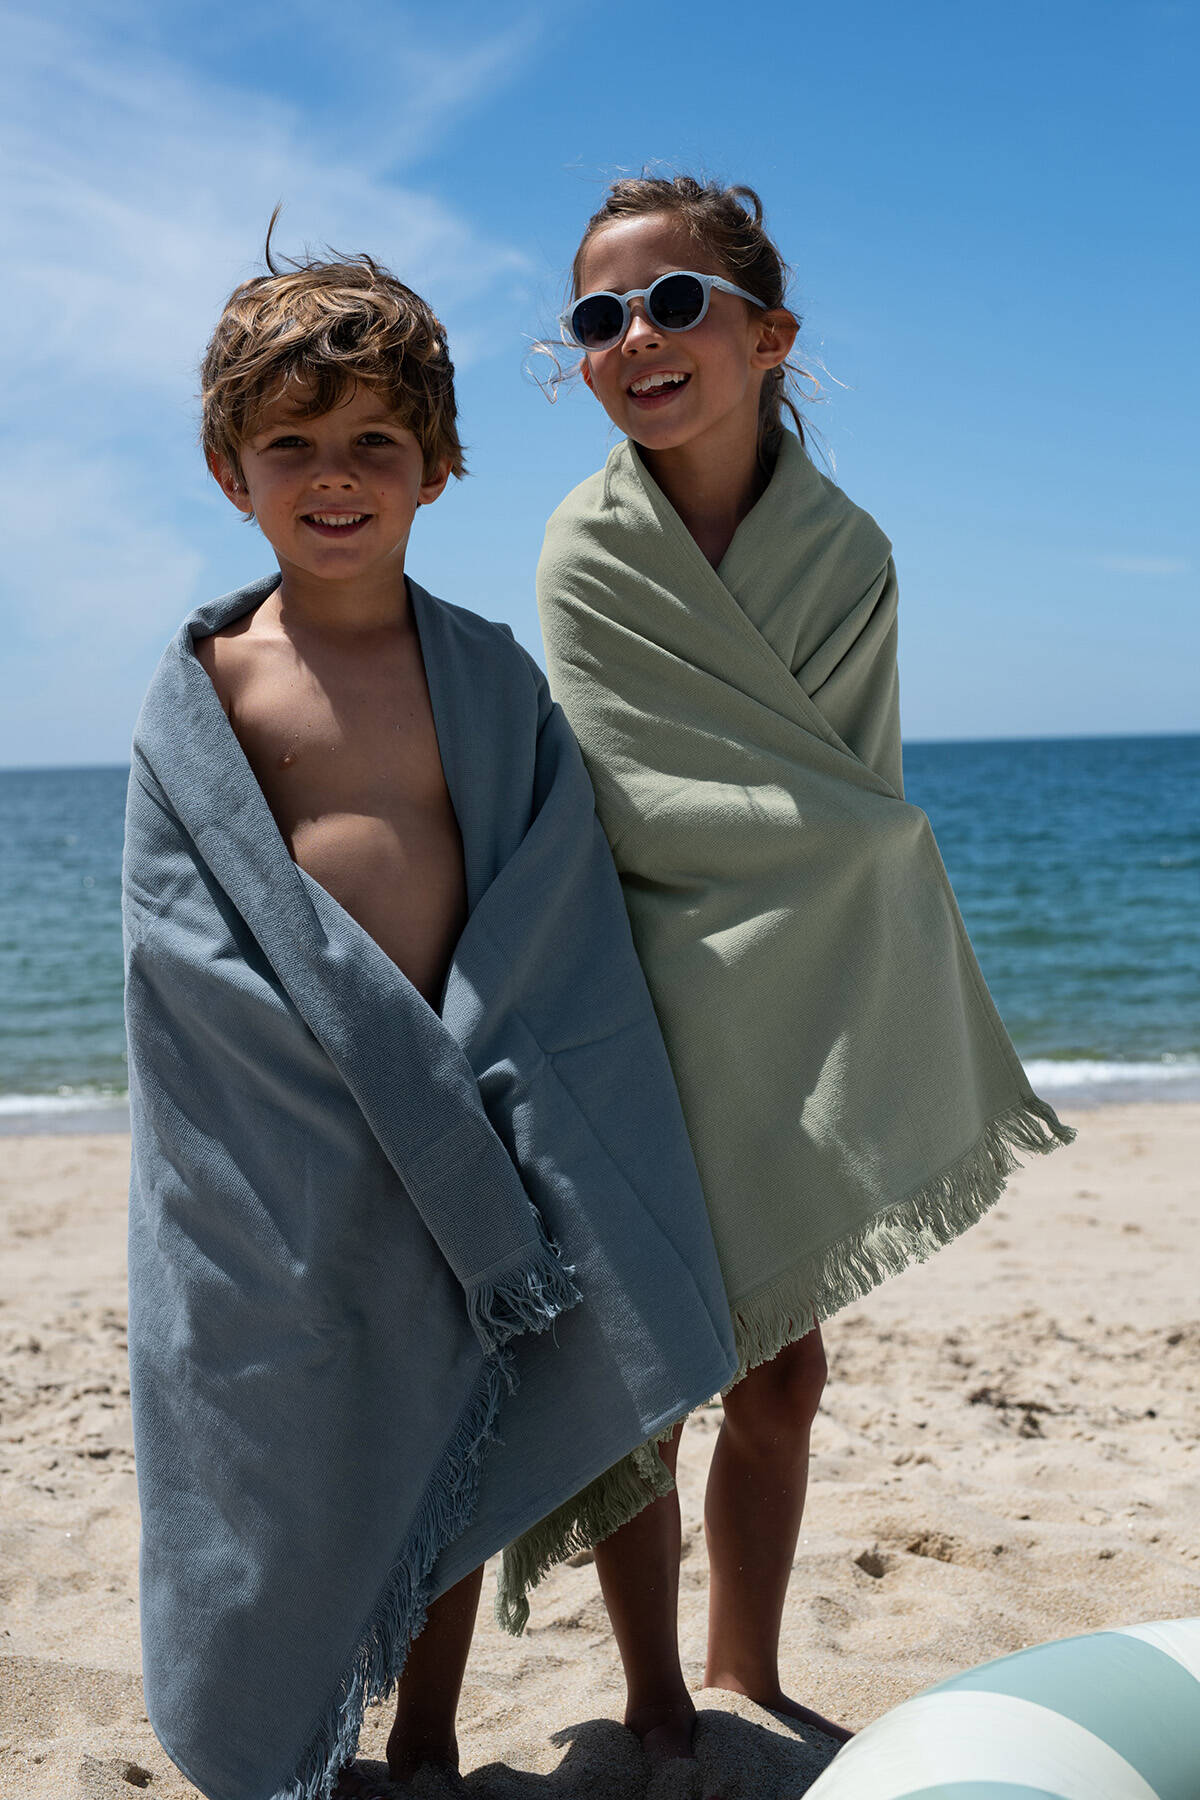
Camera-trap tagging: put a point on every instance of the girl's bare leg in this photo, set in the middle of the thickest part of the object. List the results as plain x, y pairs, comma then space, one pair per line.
638, 1568
428, 1691
752, 1512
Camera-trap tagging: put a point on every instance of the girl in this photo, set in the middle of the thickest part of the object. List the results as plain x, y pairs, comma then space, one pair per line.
720, 629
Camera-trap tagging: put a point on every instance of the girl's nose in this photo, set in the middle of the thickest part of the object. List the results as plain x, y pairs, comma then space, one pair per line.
642, 333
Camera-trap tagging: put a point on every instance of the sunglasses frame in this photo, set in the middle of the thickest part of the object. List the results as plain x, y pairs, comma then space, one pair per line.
707, 283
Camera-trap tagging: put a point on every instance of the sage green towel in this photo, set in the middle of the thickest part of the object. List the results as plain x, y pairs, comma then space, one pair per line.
851, 1095
852, 1098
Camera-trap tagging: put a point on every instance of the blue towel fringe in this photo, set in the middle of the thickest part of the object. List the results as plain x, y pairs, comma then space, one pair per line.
444, 1514
529, 1296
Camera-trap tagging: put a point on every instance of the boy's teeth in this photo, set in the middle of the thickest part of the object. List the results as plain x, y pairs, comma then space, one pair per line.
336, 518
648, 383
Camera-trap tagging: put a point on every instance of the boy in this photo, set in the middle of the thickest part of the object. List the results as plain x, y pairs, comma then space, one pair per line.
399, 1099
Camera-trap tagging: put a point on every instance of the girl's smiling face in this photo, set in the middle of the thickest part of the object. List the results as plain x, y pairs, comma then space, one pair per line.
717, 367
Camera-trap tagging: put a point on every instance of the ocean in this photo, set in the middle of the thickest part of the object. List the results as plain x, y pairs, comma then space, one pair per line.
1076, 863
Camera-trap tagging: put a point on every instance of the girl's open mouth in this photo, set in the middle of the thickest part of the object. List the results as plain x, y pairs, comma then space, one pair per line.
657, 389
340, 525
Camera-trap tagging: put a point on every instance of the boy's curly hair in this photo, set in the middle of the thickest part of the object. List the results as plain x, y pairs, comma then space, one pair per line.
328, 325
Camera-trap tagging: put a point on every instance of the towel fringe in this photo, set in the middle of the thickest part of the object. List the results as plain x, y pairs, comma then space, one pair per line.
910, 1231
527, 1297
445, 1512
598, 1510
778, 1314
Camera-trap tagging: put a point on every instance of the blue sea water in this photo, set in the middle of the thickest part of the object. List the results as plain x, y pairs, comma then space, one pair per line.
1076, 863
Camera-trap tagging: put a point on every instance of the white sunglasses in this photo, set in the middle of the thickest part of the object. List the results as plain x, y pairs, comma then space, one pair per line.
675, 302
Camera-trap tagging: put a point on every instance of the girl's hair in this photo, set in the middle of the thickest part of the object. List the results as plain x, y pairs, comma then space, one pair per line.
328, 325
727, 222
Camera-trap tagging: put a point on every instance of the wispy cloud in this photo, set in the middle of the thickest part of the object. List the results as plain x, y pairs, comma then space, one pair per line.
1145, 565
96, 575
136, 194
83, 544
136, 179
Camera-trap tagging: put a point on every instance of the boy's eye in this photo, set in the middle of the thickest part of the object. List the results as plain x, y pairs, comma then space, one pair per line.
284, 443
376, 437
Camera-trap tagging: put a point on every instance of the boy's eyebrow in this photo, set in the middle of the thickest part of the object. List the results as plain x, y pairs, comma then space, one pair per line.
291, 420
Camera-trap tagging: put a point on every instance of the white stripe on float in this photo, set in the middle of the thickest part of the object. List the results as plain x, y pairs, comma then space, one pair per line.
1177, 1638
972, 1736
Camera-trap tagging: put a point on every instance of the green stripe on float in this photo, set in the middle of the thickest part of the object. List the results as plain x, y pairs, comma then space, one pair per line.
980, 1790
1136, 1699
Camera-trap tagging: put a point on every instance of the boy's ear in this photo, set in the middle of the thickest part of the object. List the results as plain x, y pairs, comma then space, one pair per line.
230, 483
433, 485
776, 333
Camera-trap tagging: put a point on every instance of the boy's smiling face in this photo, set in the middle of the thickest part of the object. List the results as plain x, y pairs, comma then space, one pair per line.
335, 495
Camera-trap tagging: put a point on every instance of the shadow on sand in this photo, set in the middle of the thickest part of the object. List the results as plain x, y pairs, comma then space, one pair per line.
735, 1760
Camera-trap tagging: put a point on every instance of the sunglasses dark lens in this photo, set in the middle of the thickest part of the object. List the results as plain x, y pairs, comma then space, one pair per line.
675, 302
596, 321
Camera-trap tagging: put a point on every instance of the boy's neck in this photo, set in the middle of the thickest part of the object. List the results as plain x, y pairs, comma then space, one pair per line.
377, 602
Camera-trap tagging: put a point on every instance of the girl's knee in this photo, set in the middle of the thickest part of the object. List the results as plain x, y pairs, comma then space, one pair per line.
779, 1400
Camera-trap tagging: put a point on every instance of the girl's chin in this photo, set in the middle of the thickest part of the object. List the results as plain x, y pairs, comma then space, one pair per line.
646, 437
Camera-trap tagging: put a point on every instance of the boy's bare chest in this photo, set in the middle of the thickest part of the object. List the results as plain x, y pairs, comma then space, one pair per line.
351, 737
347, 758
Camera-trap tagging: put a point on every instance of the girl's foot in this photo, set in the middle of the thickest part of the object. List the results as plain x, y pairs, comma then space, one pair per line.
665, 1730
778, 1702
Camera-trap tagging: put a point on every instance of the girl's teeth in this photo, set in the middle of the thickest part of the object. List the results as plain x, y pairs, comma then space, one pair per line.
649, 383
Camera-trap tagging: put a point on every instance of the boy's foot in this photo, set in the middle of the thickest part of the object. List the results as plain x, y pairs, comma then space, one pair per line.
355, 1782
778, 1702
664, 1732
435, 1781
405, 1756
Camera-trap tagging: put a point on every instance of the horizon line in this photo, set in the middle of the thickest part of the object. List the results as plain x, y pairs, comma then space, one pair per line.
909, 743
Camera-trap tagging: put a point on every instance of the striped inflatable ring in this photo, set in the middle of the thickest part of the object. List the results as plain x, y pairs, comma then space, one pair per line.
1114, 1715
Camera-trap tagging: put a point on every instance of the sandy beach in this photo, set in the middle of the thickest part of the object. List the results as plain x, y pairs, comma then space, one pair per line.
1007, 1452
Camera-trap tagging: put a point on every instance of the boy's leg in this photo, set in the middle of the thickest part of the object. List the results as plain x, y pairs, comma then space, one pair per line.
638, 1568
752, 1513
428, 1691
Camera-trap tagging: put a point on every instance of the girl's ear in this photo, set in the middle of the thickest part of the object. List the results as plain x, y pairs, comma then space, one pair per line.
230, 482
585, 369
774, 338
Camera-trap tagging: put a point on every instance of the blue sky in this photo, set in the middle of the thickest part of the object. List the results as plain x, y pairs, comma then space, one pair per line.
990, 211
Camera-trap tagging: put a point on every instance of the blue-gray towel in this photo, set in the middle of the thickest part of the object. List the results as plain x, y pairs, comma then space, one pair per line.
352, 1217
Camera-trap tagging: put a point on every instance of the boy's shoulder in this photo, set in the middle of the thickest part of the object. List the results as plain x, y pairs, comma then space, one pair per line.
217, 615
444, 625
464, 621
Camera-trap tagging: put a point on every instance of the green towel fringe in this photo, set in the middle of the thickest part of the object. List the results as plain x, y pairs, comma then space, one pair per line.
378, 1659
578, 1525
910, 1231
